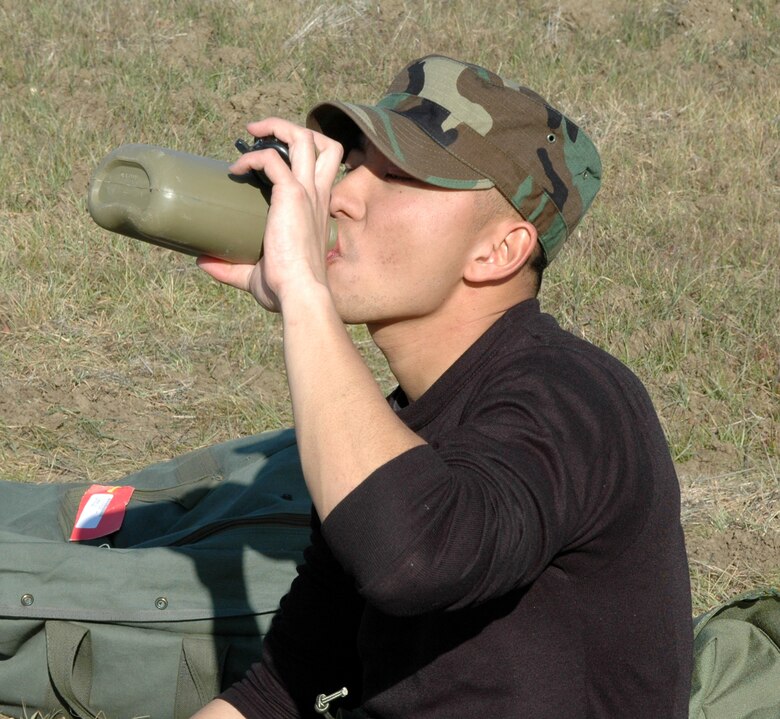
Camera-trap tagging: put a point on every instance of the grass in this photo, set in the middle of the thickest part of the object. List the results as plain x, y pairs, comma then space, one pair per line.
115, 354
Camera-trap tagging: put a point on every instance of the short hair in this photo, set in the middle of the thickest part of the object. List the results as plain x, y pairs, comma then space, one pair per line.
538, 264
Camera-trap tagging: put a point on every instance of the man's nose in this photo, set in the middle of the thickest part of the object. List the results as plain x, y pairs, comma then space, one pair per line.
348, 197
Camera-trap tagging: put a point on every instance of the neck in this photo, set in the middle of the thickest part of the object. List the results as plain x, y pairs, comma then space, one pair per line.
420, 350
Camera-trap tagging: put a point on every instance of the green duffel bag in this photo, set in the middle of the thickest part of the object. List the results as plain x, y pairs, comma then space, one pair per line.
737, 659
156, 618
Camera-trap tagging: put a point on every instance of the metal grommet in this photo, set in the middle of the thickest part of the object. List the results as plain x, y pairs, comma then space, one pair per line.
27, 600
161, 603
551, 137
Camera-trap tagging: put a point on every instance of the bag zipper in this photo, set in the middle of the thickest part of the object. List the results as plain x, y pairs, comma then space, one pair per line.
283, 520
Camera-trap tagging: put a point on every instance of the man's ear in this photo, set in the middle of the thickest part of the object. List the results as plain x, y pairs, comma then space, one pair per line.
502, 254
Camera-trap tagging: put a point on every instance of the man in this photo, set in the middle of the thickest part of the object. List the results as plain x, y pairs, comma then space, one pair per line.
502, 537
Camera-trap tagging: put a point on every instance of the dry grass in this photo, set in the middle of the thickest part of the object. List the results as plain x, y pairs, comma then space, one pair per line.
115, 354
731, 520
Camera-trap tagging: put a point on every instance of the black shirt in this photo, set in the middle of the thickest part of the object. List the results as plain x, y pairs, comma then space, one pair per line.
527, 562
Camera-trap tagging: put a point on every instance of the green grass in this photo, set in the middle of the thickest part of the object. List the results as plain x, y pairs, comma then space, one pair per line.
115, 353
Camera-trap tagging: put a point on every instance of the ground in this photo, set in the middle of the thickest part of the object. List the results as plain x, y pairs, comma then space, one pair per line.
114, 354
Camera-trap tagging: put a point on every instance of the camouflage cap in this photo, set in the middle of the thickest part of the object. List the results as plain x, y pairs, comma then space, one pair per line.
457, 125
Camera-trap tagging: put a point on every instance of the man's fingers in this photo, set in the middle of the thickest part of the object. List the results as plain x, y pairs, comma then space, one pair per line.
268, 161
329, 157
244, 277
313, 155
268, 126
226, 272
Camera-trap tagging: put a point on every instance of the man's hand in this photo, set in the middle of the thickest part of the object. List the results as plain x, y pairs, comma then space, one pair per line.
344, 426
218, 709
296, 231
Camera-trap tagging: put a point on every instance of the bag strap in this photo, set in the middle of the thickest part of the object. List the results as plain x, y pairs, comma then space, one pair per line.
69, 658
198, 681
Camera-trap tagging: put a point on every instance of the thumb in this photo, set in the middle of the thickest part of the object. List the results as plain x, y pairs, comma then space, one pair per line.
226, 272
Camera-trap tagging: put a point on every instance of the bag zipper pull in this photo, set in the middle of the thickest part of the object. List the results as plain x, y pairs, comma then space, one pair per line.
322, 704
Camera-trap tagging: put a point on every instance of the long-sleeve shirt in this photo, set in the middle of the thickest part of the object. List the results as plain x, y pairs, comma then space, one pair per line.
528, 561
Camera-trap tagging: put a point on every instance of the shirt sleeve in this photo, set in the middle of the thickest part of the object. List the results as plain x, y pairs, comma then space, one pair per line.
310, 648
486, 505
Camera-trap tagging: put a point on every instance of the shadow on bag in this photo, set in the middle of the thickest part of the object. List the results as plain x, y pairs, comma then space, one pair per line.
156, 618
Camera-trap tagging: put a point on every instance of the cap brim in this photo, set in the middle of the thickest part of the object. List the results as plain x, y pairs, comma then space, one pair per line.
398, 138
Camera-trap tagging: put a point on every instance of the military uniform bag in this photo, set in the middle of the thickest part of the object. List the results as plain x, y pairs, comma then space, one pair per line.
156, 618
737, 659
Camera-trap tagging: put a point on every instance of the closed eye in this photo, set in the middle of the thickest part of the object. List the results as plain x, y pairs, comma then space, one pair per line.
397, 175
